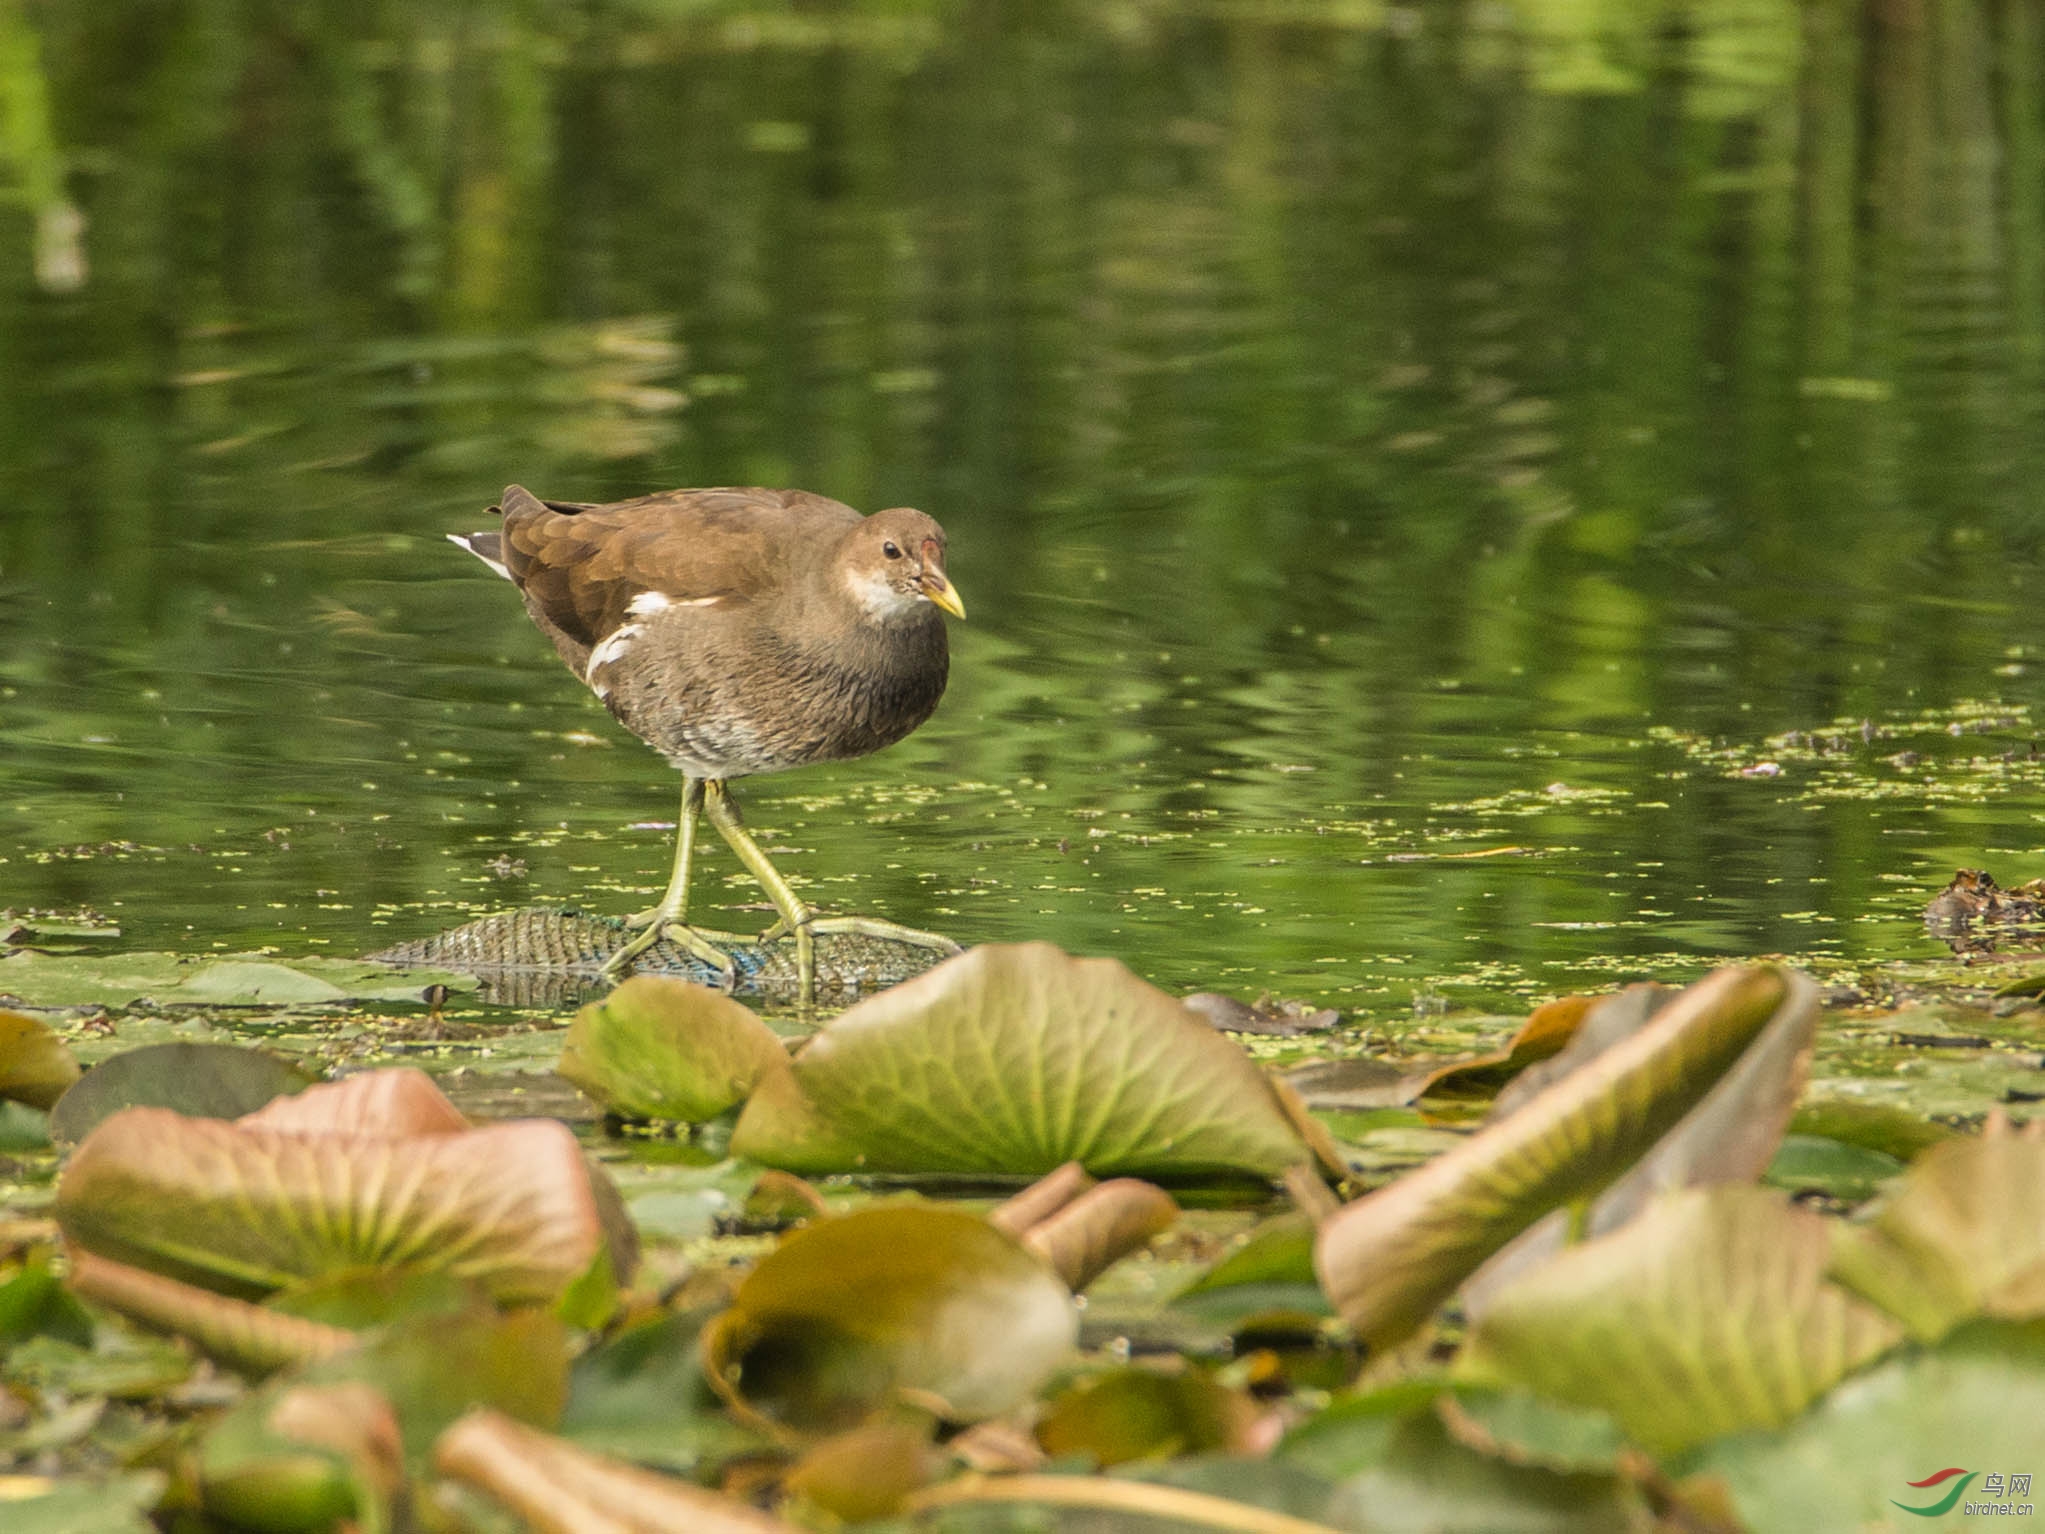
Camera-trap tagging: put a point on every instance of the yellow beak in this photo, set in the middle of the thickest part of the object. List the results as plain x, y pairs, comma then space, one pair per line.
942, 594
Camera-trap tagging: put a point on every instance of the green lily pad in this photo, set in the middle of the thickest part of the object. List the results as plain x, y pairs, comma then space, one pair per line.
1014, 1059
233, 980
36, 1067
119, 1504
116, 1363
1146, 1413
433, 1369
1525, 1429
23, 1128
252, 1479
210, 1081
1963, 1236
1811, 1163
689, 1202
1730, 1050
246, 1210
642, 1395
332, 1442
900, 1300
34, 1303
1871, 1126
1975, 1403
1398, 1468
1271, 1271
1356, 1431
1708, 1314
662, 1048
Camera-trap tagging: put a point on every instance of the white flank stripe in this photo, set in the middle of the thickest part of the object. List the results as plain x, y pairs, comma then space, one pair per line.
647, 603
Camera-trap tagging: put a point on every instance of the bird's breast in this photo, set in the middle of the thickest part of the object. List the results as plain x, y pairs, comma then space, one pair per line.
722, 700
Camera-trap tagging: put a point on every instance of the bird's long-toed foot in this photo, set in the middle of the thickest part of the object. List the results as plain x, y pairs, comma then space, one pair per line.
712, 948
809, 926
869, 926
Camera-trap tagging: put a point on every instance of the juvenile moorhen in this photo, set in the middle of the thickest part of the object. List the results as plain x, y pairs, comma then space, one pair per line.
737, 631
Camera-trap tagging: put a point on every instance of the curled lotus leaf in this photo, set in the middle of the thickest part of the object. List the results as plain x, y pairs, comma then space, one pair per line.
247, 1210
896, 1302
1016, 1058
1546, 1032
1099, 1228
1389, 1258
552, 1484
1732, 1135
662, 1048
248, 1337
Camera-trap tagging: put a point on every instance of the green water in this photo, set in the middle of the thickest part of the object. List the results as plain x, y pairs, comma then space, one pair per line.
1367, 436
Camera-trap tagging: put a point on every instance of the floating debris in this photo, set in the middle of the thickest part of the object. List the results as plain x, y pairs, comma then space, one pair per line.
1974, 896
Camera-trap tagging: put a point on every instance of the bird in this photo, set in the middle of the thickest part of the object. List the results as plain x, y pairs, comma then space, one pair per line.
737, 631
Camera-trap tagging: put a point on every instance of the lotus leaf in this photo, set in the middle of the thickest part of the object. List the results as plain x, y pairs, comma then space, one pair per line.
117, 1505
1976, 1402
35, 1065
1547, 1030
1708, 1314
662, 1048
401, 1101
247, 1210
1964, 1235
1014, 1059
1732, 1135
900, 1300
213, 1081
1389, 1258
642, 1395
1147, 1413
1423, 1481
235, 980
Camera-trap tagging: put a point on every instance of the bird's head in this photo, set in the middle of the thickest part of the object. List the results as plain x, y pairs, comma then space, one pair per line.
893, 561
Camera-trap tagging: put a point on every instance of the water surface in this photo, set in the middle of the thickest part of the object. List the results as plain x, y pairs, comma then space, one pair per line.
1410, 470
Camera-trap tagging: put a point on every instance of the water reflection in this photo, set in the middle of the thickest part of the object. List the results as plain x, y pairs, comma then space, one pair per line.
1361, 432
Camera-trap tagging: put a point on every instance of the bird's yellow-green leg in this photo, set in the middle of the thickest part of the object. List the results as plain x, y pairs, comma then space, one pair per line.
667, 919
795, 916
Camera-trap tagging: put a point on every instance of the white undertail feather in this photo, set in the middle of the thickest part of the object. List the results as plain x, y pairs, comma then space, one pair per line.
461, 540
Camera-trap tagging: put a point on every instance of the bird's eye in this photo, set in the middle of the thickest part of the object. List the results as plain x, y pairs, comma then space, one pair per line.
891, 551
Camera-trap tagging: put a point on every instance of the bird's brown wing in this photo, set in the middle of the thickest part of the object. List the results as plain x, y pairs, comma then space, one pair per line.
582, 566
